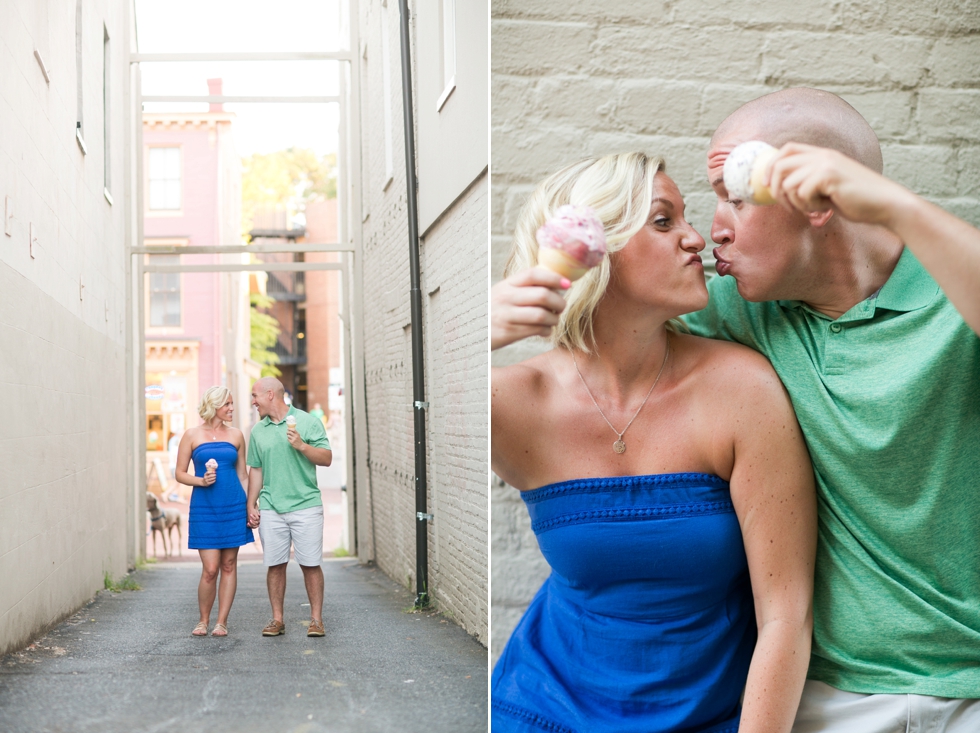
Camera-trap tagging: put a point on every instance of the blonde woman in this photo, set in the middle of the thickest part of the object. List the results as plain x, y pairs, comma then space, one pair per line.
218, 523
666, 478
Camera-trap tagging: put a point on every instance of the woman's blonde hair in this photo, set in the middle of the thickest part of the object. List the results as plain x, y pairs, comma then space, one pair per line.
212, 401
620, 190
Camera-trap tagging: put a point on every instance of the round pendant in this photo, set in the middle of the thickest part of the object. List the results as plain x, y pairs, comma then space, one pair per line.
619, 446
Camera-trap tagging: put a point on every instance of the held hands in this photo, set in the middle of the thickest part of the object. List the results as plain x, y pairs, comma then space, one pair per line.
254, 517
811, 179
525, 304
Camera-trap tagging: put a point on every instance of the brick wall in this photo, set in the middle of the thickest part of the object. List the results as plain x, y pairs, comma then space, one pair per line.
454, 277
454, 287
66, 513
579, 78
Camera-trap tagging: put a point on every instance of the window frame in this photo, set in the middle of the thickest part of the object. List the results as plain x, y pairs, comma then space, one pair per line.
149, 211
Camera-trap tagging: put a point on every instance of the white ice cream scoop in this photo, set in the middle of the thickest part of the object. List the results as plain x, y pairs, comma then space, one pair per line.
744, 169
211, 465
290, 422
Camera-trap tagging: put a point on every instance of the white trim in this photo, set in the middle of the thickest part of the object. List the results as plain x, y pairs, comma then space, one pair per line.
135, 58
260, 267
108, 196
446, 93
81, 143
220, 99
170, 247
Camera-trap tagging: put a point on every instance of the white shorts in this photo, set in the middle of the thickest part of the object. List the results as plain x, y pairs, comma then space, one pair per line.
303, 529
825, 709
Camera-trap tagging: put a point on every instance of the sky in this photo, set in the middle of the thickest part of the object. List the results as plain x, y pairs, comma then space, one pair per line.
242, 26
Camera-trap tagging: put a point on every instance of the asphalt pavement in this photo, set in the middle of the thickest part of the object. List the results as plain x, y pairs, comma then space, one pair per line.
127, 663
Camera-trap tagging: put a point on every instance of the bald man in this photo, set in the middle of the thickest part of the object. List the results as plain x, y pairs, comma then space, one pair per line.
284, 500
866, 299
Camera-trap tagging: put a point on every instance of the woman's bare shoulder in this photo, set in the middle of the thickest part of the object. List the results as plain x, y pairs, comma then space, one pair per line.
735, 378
728, 360
523, 379
193, 435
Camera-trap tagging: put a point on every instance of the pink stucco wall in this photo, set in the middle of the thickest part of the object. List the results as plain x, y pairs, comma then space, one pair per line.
198, 221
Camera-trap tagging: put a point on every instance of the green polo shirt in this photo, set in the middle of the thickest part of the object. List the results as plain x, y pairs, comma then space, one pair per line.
888, 396
288, 478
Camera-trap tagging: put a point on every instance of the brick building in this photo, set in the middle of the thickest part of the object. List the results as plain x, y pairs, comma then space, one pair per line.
576, 79
449, 73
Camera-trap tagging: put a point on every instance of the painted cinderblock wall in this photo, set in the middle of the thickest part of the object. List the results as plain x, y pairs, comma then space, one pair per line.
578, 78
454, 255
66, 513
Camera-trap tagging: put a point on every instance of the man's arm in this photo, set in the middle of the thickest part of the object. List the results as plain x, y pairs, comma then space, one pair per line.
316, 456
811, 179
252, 502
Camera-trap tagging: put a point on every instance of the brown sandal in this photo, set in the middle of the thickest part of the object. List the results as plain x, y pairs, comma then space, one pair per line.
201, 629
223, 632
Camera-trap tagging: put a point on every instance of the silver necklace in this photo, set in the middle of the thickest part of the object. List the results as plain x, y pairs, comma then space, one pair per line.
619, 446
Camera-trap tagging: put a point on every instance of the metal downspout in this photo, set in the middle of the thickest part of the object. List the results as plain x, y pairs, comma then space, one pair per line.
418, 362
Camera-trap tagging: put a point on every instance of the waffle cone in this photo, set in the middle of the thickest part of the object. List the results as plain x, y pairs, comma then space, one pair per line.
557, 261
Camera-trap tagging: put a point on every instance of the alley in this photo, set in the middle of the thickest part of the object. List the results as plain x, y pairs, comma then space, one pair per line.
127, 662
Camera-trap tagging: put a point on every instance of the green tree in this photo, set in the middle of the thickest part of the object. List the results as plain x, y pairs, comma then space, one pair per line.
287, 178
265, 331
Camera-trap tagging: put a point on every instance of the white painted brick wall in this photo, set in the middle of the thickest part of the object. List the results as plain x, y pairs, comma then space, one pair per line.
454, 291
579, 78
454, 285
63, 442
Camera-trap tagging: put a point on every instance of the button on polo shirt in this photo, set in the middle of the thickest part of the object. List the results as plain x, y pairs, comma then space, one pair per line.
288, 478
888, 397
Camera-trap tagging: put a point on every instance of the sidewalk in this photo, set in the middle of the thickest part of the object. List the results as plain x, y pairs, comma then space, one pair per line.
127, 663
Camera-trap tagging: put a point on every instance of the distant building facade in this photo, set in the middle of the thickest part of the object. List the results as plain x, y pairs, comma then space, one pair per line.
197, 323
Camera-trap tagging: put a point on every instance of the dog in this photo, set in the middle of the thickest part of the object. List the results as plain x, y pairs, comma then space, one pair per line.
164, 519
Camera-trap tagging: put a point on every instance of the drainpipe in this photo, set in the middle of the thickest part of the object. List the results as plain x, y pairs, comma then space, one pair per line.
418, 364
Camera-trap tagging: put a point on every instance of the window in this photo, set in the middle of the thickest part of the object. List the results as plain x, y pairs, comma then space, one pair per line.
447, 19
105, 111
386, 91
78, 75
164, 166
164, 292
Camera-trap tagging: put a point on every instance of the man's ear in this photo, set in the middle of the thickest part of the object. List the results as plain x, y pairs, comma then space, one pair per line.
818, 218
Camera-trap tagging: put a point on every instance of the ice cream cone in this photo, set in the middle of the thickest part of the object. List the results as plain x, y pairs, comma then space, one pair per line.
571, 241
744, 172
557, 261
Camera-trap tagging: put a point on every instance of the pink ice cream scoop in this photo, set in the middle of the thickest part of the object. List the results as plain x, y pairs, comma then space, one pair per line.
572, 241
211, 465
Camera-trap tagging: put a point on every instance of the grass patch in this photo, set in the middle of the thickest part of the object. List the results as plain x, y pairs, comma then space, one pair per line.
341, 552
143, 562
126, 583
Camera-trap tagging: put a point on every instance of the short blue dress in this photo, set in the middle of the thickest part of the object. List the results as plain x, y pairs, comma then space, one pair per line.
646, 622
218, 517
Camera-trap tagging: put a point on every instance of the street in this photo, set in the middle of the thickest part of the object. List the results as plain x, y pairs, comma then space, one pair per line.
127, 662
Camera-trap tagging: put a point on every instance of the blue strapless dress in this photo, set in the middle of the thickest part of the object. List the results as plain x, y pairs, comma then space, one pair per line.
646, 622
218, 518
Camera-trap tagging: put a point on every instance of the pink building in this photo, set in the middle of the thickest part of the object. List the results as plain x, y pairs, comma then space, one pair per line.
197, 323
